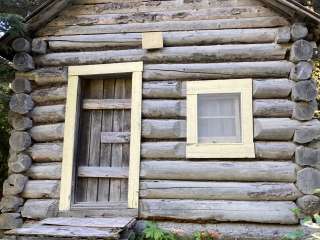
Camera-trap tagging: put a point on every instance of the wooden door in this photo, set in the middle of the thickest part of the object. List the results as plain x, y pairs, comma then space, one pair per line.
101, 174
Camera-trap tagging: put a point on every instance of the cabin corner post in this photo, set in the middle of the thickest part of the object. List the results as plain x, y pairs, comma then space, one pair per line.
307, 132
69, 144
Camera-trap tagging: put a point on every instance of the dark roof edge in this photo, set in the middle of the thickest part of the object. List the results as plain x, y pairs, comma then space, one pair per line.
296, 7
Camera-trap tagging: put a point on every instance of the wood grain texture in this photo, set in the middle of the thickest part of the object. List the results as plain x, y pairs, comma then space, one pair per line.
103, 172
183, 38
274, 212
166, 189
214, 53
102, 104
217, 70
223, 170
115, 137
263, 22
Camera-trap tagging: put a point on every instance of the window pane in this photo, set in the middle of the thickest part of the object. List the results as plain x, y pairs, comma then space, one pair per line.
219, 118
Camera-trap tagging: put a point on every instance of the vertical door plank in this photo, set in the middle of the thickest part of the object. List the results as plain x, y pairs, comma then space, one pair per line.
126, 146
115, 184
105, 154
96, 91
83, 152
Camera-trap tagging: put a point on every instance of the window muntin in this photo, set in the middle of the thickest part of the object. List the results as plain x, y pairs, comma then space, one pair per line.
219, 118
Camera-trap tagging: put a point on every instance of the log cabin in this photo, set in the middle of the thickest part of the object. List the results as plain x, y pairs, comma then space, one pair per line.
196, 114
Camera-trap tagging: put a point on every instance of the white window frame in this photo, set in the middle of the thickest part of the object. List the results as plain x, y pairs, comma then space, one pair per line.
243, 149
71, 127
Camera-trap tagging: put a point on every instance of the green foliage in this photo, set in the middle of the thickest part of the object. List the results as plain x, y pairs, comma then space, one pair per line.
205, 235
316, 77
153, 232
295, 235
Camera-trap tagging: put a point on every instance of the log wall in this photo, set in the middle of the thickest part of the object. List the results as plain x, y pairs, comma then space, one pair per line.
236, 39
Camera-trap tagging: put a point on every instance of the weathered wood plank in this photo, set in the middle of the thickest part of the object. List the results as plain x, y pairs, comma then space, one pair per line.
158, 16
217, 70
103, 104
234, 211
183, 38
41, 189
103, 172
260, 22
119, 222
281, 129
115, 137
166, 189
66, 231
223, 171
96, 92
214, 53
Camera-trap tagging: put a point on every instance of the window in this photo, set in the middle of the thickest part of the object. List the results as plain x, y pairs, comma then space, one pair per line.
219, 119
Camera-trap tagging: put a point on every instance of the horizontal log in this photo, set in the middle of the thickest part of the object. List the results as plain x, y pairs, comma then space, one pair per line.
177, 108
307, 132
164, 89
224, 211
183, 38
163, 108
115, 137
241, 52
272, 108
298, 31
262, 88
18, 163
40, 208
275, 150
44, 76
41, 189
98, 104
48, 114
217, 70
19, 122
46, 152
164, 129
223, 171
272, 88
103, 172
304, 111
218, 190
10, 204
49, 94
45, 171
47, 133
177, 150
301, 71
91, 7
274, 128
156, 16
230, 230
260, 22
10, 221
